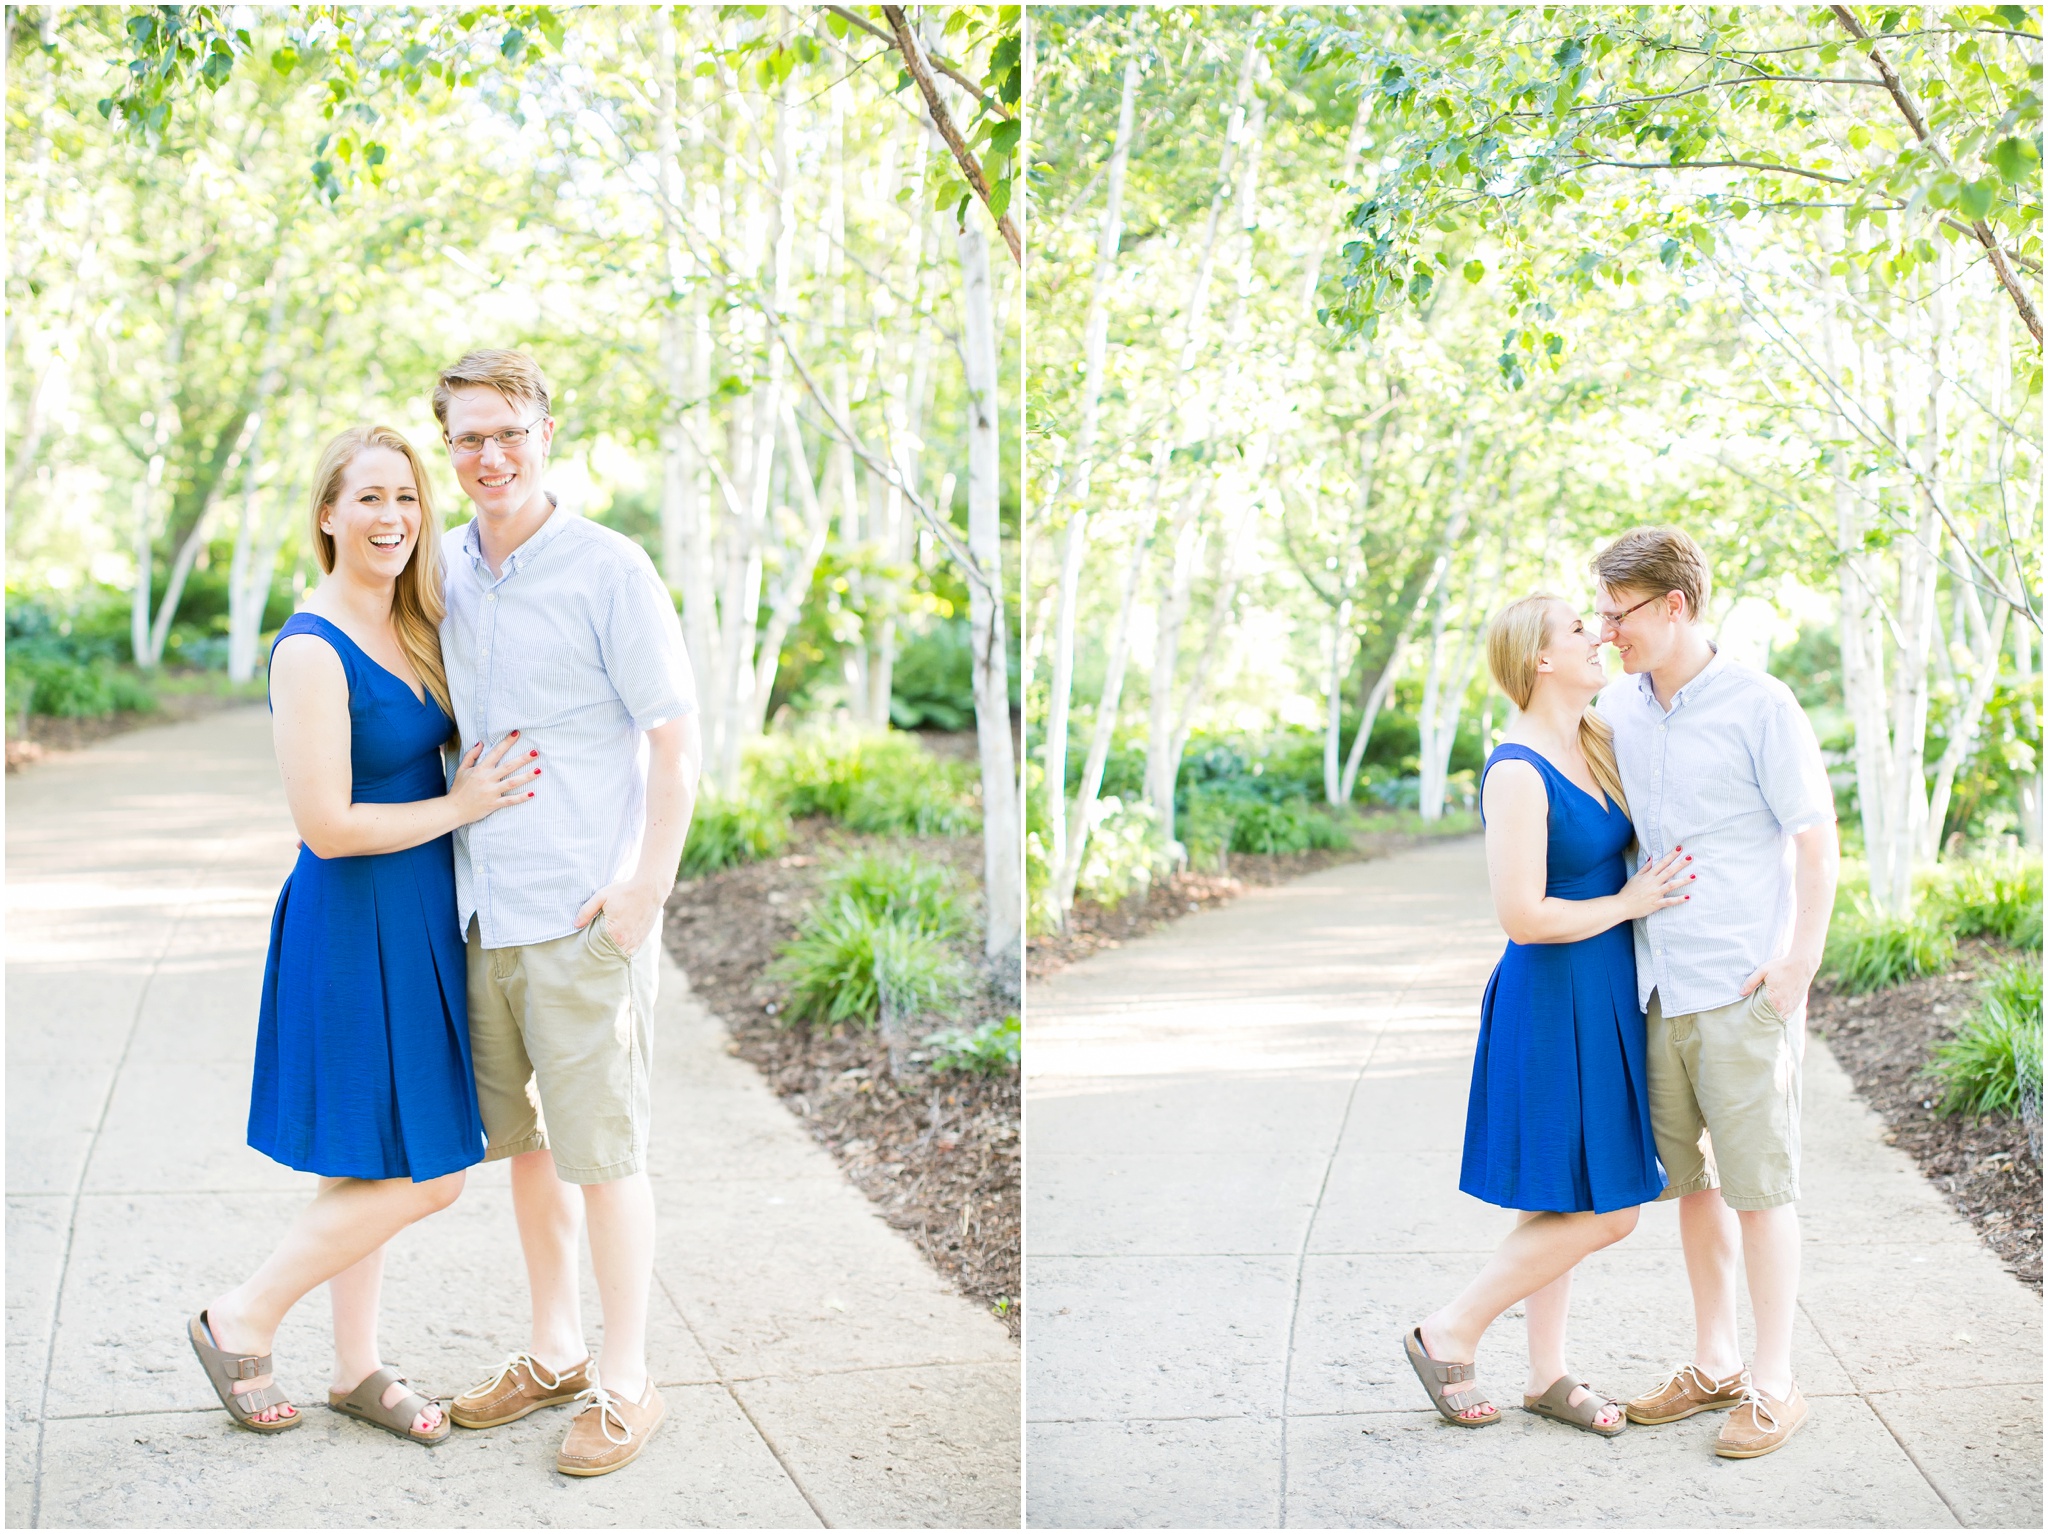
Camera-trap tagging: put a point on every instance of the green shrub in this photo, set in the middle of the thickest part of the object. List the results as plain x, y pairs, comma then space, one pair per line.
70, 689
843, 956
870, 780
989, 1050
1123, 852
1868, 953
1997, 898
906, 888
933, 679
928, 798
1293, 827
1993, 1063
725, 832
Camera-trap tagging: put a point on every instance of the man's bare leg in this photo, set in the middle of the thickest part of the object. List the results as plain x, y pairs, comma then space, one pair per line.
1708, 1232
550, 1216
621, 1217
1770, 1251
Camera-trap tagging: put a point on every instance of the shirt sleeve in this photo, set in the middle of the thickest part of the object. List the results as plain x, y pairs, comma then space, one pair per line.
1790, 772
642, 640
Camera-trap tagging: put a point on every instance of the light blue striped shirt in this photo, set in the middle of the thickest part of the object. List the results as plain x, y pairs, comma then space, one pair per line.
1731, 773
576, 645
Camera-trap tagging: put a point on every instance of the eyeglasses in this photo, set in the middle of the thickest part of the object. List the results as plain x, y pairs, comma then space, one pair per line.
1613, 620
470, 443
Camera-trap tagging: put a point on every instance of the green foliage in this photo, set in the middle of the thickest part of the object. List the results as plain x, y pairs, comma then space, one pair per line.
901, 887
1871, 952
933, 681
1993, 1063
1257, 824
1993, 897
882, 783
1124, 852
993, 1049
844, 955
728, 831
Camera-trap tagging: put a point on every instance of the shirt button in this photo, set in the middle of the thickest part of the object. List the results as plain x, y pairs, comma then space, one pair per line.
491, 597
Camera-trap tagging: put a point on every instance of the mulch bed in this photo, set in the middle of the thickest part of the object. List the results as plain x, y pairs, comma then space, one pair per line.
1092, 928
939, 1154
1982, 1165
50, 734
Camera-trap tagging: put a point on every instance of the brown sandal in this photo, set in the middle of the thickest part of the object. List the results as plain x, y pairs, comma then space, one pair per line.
1435, 1376
1555, 1403
366, 1402
225, 1368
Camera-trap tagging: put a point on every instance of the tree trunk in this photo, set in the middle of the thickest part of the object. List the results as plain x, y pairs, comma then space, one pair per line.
248, 573
1002, 830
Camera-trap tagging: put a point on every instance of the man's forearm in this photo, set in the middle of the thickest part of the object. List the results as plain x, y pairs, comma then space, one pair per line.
1816, 866
671, 798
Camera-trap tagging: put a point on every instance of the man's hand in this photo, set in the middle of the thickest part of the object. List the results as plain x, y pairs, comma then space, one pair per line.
1785, 982
629, 908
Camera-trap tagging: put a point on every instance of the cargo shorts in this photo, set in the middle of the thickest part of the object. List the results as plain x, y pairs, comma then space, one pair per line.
1724, 1100
560, 1037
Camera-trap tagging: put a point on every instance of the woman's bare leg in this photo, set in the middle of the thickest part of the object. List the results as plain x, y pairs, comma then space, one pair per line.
1540, 1249
355, 1294
1547, 1310
348, 1219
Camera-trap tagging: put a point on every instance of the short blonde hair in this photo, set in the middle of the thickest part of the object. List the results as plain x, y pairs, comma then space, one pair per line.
1515, 642
513, 374
1654, 560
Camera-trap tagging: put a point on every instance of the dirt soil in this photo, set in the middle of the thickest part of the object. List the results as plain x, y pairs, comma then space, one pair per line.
938, 1153
1983, 1165
1092, 928
51, 736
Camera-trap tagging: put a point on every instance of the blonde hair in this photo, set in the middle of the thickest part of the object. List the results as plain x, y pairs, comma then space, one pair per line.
513, 374
416, 603
1654, 560
1515, 642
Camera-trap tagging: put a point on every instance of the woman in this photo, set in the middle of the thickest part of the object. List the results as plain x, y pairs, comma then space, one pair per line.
1558, 1127
362, 1049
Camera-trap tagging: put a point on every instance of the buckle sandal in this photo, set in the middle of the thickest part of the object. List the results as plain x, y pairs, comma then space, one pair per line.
593, 1447
1760, 1424
522, 1385
1555, 1403
1686, 1392
225, 1368
1436, 1376
366, 1402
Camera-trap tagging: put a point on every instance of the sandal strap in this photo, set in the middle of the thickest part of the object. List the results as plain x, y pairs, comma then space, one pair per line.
250, 1402
246, 1368
1452, 1374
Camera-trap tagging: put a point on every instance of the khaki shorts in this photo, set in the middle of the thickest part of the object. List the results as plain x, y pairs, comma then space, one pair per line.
559, 1035
1724, 1100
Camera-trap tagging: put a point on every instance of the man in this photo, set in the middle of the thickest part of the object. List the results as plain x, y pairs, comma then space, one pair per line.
559, 632
1718, 758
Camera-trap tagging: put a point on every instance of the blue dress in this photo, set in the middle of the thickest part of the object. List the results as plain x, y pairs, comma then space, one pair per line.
1559, 1117
362, 1048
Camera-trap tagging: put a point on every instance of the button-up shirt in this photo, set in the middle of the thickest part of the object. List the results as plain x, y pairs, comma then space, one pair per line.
575, 644
1731, 772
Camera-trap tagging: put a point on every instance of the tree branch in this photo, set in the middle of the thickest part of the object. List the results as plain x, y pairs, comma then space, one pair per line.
920, 71
1910, 110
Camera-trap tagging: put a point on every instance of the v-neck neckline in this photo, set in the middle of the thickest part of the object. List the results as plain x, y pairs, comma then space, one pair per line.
1606, 804
421, 697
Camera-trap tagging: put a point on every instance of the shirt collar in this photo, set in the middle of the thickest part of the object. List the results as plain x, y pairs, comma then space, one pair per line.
472, 540
1699, 684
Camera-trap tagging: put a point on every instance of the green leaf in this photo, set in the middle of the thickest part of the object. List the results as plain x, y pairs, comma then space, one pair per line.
1474, 269
285, 60
1419, 286
514, 44
1002, 141
2018, 160
1859, 137
1975, 198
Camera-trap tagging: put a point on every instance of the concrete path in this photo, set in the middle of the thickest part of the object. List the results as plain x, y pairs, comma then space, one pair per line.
1244, 1137
816, 1370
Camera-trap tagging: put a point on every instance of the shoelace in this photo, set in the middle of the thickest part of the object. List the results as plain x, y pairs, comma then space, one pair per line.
1751, 1396
534, 1367
1707, 1385
607, 1414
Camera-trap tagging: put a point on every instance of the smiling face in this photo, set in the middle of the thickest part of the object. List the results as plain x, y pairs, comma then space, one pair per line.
374, 520
1643, 626
500, 480
1571, 652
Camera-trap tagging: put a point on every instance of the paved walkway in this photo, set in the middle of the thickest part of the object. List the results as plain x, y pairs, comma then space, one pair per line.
1244, 1136
817, 1371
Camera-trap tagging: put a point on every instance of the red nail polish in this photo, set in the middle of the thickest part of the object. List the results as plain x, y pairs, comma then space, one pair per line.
536, 772
529, 794
515, 734
533, 753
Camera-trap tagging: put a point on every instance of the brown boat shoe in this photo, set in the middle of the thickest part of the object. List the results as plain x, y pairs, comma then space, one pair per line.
1760, 1424
521, 1386
610, 1432
1689, 1391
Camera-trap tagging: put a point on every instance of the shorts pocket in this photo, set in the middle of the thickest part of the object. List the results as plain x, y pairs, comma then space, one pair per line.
598, 937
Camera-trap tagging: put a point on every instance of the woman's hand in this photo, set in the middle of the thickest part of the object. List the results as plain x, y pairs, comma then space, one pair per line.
486, 784
1652, 889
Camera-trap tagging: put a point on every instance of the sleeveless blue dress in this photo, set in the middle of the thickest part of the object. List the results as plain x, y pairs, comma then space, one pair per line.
362, 1047
1559, 1117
